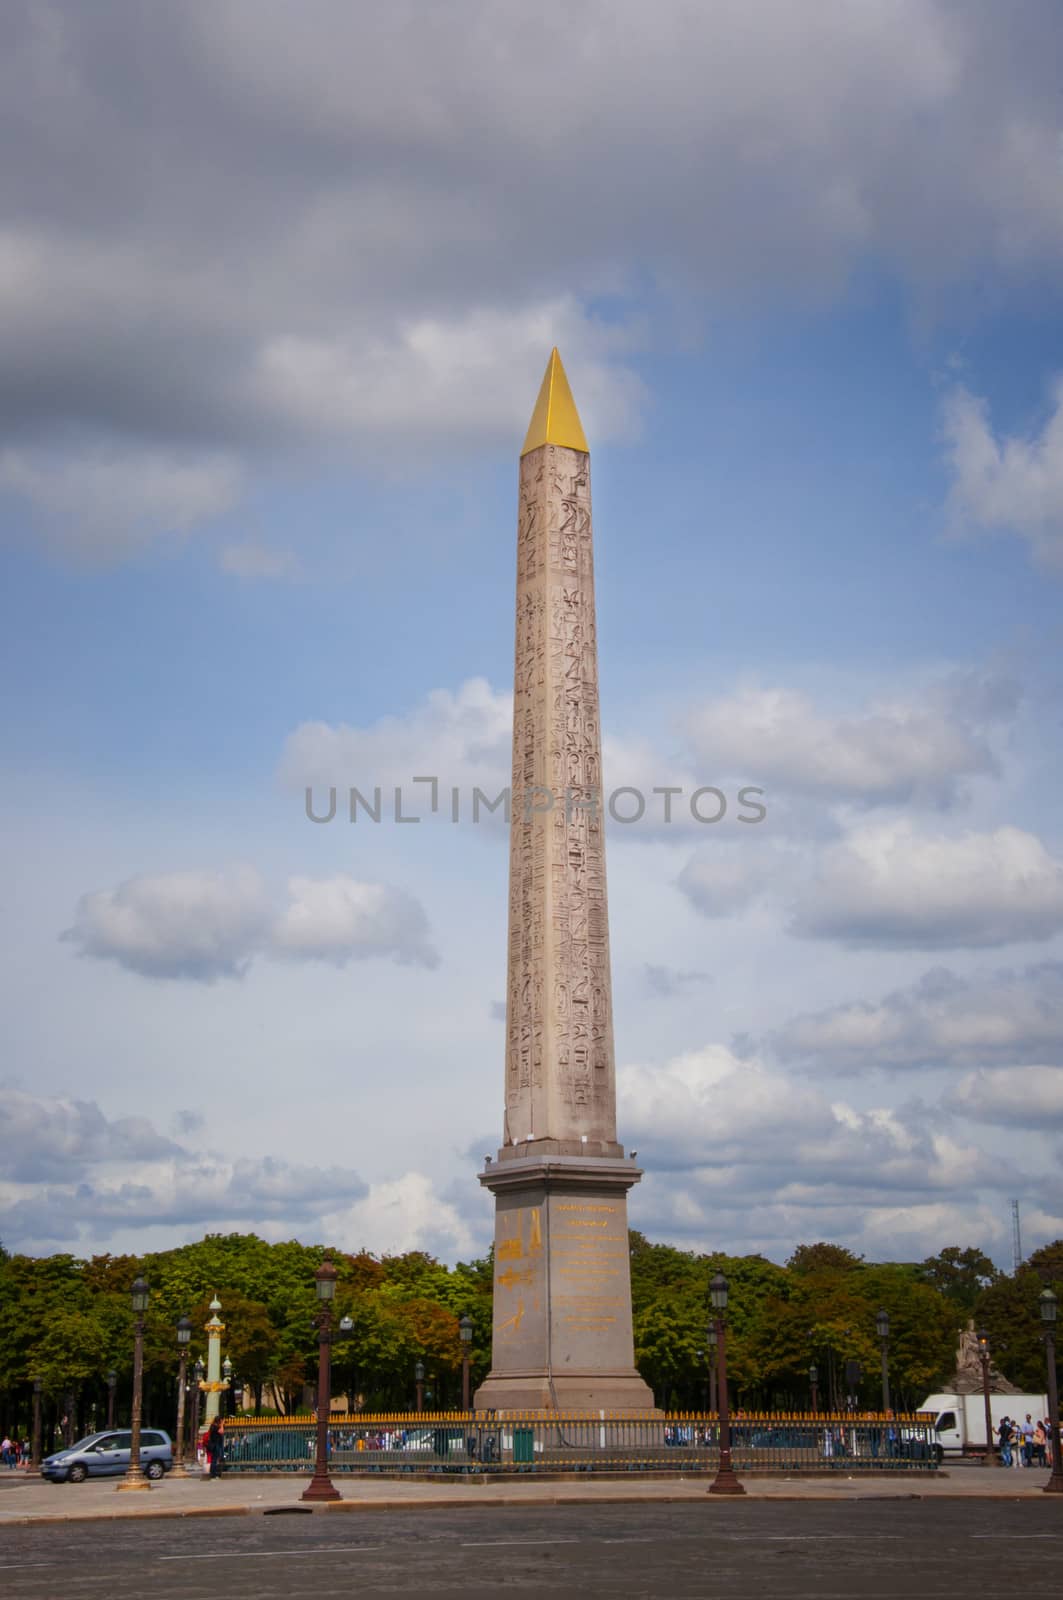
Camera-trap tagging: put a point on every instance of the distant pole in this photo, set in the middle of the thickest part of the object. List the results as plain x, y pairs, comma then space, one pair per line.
198, 1372
321, 1486
135, 1476
713, 1360
112, 1383
882, 1326
813, 1379
989, 1459
35, 1446
418, 1378
1049, 1310
465, 1331
184, 1334
725, 1481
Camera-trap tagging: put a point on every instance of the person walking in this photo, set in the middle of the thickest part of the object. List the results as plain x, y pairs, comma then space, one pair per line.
1004, 1440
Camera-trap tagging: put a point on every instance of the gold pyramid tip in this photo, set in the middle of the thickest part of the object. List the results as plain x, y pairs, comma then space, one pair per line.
555, 419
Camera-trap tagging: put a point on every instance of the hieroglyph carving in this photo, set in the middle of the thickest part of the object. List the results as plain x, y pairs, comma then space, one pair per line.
560, 1081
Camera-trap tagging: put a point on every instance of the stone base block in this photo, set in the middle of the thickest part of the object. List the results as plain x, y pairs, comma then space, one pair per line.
592, 1391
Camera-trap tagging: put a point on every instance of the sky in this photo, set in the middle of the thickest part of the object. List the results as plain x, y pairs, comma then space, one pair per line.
277, 288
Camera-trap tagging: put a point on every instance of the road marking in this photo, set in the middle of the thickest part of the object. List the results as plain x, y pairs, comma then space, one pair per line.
250, 1555
17, 1566
518, 1544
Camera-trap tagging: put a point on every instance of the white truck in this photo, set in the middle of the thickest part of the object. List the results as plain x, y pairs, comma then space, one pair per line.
959, 1419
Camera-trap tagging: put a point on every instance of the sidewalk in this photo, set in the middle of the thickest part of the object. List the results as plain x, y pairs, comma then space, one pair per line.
31, 1501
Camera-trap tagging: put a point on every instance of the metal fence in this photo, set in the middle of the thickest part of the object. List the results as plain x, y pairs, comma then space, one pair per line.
617, 1442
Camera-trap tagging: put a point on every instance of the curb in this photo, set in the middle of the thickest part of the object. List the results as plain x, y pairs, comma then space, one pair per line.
506, 1502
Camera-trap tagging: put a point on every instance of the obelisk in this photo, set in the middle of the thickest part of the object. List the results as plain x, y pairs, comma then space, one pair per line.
562, 1287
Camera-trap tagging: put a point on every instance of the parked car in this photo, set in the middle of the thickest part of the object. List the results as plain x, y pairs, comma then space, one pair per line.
107, 1455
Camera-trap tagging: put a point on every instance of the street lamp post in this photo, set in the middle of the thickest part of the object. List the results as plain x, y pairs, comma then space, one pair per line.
135, 1477
198, 1374
112, 1384
465, 1330
227, 1375
725, 1481
989, 1459
184, 1335
418, 1378
713, 1354
882, 1328
321, 1486
813, 1380
1049, 1309
35, 1445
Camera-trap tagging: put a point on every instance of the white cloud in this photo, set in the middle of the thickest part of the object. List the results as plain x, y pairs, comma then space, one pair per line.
61, 1138
944, 1019
73, 1174
202, 925
340, 920
402, 1214
462, 739
210, 925
1012, 484
897, 750
887, 885
328, 236
110, 500
736, 1150
1020, 1097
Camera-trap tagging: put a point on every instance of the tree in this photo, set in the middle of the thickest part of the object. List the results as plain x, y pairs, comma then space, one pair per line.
960, 1275
823, 1259
1047, 1263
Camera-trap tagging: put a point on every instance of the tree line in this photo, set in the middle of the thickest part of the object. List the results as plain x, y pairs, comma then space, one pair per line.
67, 1322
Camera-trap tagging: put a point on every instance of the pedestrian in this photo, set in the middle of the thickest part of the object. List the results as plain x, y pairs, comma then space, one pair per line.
1027, 1431
1004, 1440
1040, 1438
215, 1447
7, 1451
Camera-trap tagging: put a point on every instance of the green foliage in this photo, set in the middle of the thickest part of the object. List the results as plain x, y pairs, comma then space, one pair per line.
960, 1275
67, 1321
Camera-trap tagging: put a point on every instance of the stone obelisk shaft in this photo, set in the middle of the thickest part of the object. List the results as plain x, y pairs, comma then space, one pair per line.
560, 1078
562, 1293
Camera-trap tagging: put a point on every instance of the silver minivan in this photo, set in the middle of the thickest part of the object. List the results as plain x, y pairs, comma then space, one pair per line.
107, 1454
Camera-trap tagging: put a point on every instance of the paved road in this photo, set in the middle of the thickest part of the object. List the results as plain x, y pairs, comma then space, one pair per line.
869, 1550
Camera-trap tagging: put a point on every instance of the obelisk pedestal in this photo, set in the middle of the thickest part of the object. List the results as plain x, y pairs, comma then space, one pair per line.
562, 1335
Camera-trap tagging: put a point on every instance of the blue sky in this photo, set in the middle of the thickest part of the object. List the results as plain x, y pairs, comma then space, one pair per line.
270, 332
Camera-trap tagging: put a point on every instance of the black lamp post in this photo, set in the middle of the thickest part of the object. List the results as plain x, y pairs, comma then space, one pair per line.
135, 1477
112, 1384
184, 1335
725, 1481
35, 1445
418, 1378
1049, 1309
199, 1372
813, 1380
713, 1354
989, 1459
882, 1328
465, 1330
321, 1486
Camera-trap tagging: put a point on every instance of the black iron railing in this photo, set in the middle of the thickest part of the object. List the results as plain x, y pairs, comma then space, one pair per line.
773, 1442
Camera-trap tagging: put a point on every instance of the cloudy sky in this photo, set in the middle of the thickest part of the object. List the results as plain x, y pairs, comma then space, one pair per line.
277, 287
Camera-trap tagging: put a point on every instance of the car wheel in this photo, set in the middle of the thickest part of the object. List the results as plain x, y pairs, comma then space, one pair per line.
155, 1469
78, 1473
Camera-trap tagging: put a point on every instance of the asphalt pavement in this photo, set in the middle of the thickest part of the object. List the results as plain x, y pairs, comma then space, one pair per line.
873, 1548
